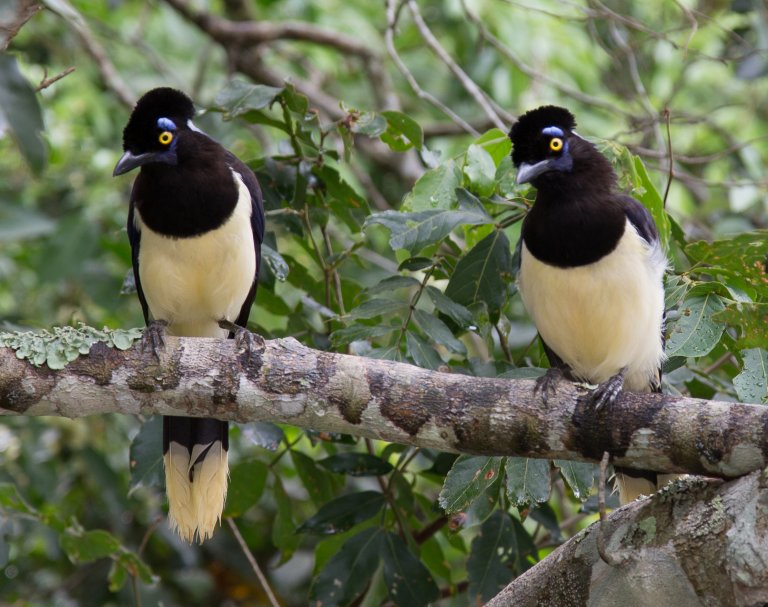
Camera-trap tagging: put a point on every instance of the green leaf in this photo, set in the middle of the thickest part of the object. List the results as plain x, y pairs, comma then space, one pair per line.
316, 481
343, 513
525, 547
240, 97
129, 564
491, 558
372, 308
408, 581
246, 484
146, 456
528, 480
467, 480
85, 546
744, 256
17, 223
295, 101
275, 261
264, 434
342, 198
392, 283
496, 143
283, 528
370, 124
444, 304
438, 331
435, 189
751, 317
414, 231
480, 170
423, 354
357, 332
696, 331
349, 571
414, 264
482, 506
19, 108
356, 464
11, 499
483, 274
752, 383
545, 515
402, 128
433, 557
652, 200
580, 476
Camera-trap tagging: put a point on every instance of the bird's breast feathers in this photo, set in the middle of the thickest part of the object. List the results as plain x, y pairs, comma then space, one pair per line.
194, 282
602, 316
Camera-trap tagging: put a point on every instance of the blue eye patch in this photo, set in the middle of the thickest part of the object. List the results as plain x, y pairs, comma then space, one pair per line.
166, 124
553, 131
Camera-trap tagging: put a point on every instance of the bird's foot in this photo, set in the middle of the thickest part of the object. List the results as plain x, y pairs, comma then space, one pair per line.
154, 337
546, 385
607, 392
245, 340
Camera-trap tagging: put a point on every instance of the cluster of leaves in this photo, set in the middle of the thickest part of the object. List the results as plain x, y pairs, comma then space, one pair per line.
80, 545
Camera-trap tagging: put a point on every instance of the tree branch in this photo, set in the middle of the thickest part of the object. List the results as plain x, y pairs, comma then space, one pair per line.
693, 543
25, 10
290, 383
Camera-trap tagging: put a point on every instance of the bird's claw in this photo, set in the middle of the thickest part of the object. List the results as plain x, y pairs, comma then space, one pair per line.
154, 337
245, 340
546, 385
607, 392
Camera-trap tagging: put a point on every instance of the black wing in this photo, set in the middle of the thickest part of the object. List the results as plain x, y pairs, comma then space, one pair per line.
641, 218
134, 237
257, 227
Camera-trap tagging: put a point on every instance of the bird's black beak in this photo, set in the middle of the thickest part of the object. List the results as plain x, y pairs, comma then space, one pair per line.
528, 172
130, 161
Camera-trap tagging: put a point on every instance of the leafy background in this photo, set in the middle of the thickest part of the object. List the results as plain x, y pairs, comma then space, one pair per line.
392, 220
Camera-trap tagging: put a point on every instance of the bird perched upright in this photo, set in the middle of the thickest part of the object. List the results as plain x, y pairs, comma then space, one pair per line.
195, 224
591, 273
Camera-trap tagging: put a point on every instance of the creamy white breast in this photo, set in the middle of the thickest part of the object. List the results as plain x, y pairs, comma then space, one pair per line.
194, 282
603, 316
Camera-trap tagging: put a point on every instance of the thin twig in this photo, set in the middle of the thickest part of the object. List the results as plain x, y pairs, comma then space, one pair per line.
469, 85
332, 269
412, 305
46, 82
109, 74
535, 74
252, 560
389, 40
148, 534
671, 174
637, 81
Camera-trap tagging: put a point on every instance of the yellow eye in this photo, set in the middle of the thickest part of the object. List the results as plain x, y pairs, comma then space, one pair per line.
556, 144
166, 137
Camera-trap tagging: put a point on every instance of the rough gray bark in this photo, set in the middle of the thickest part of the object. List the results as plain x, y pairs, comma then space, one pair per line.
283, 381
695, 544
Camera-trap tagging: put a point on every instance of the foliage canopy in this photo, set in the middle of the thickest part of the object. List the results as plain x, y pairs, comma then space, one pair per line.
392, 220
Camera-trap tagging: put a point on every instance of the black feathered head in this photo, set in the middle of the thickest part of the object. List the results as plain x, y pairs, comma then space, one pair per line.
155, 123
541, 142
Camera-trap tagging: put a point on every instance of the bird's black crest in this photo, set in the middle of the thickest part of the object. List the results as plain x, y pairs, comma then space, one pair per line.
527, 129
140, 132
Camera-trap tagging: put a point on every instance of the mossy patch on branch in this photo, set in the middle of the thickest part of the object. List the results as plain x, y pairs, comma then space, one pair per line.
62, 345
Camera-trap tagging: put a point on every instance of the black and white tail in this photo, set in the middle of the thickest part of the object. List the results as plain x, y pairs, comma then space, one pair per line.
196, 474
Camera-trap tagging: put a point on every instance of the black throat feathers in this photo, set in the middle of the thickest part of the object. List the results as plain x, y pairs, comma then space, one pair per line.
577, 217
188, 199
